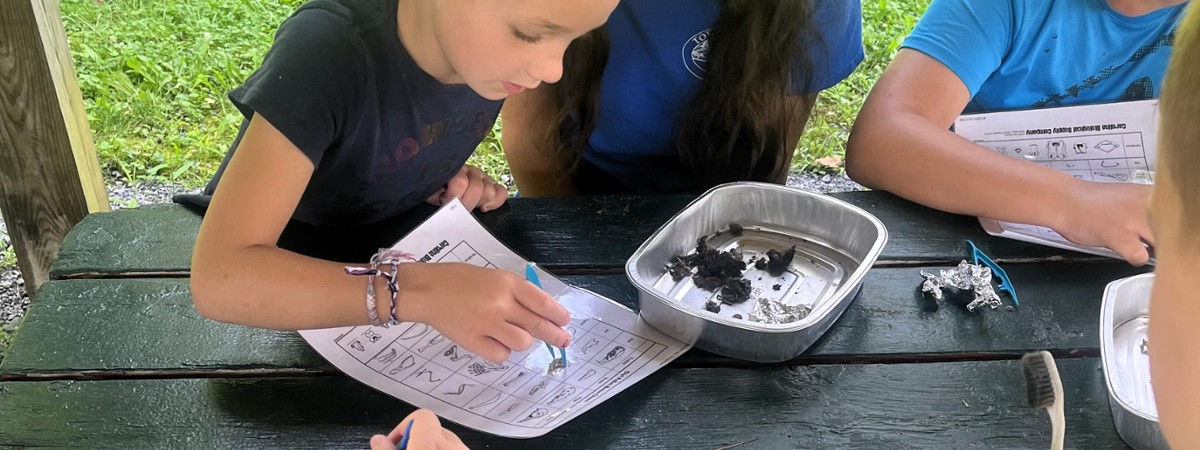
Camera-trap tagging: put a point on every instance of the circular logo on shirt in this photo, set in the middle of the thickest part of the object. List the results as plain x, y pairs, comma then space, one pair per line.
406, 150
695, 53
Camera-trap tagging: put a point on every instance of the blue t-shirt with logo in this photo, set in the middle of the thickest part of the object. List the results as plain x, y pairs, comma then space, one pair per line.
656, 65
1022, 54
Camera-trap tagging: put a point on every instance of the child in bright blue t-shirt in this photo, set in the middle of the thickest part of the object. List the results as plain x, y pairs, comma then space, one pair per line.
680, 95
1040, 54
991, 55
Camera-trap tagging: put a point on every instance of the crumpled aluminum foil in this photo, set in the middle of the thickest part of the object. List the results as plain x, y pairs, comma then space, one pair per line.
1141, 176
965, 276
773, 311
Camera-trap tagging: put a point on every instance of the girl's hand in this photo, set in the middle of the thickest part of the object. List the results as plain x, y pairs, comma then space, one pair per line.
489, 312
1111, 215
473, 188
426, 434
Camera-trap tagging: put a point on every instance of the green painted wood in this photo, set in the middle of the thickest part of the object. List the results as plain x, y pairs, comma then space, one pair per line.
150, 239
82, 325
586, 232
150, 324
1060, 311
918, 406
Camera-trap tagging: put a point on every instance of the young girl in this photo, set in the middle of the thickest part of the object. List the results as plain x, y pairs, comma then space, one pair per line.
361, 110
992, 55
681, 95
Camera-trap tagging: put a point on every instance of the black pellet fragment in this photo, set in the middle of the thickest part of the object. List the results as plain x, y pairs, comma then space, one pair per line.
778, 262
735, 291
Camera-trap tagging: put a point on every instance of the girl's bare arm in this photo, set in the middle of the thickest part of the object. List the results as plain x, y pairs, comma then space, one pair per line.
902, 143
239, 275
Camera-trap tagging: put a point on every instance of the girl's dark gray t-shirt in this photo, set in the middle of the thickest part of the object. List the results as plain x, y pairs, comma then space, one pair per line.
382, 134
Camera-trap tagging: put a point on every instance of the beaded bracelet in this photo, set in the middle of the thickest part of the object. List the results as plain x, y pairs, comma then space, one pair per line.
372, 316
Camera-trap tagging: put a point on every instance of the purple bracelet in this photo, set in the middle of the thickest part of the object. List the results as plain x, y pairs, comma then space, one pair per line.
372, 316
385, 256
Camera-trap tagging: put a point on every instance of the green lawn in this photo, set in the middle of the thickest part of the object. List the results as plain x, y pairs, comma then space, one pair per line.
885, 23
154, 74
5, 339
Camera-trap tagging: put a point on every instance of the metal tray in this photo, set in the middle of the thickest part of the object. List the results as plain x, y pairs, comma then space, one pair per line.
836, 243
1123, 319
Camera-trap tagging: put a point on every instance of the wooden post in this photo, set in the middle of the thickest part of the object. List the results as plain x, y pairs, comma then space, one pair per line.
49, 175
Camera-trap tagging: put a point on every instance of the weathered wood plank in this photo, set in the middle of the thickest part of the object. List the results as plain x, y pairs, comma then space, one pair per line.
918, 406
153, 239
118, 325
49, 175
577, 233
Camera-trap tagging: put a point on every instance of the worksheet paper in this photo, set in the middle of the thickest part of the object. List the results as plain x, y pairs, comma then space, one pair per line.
611, 348
1108, 143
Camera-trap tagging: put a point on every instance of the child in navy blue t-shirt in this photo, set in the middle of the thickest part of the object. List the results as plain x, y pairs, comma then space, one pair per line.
361, 110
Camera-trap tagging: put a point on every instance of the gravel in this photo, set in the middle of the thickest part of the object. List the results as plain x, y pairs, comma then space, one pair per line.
14, 300
823, 183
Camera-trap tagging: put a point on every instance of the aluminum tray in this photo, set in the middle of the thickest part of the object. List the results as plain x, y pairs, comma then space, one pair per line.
836, 244
1123, 319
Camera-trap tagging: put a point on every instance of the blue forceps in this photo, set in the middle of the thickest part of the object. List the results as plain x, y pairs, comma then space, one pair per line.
1005, 284
532, 276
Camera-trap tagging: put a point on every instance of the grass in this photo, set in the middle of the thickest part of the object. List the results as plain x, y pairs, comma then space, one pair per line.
154, 74
8, 256
885, 23
6, 332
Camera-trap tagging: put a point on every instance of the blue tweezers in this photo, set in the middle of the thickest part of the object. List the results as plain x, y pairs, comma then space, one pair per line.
532, 276
1005, 284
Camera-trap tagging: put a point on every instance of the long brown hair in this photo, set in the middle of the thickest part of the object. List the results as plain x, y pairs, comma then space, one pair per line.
576, 98
736, 126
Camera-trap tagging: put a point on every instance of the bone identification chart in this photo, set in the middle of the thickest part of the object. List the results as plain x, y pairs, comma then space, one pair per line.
611, 348
1109, 143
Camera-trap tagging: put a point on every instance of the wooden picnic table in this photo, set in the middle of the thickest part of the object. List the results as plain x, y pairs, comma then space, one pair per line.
113, 354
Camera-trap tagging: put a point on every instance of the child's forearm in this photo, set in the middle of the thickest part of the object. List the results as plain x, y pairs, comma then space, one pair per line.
914, 158
264, 286
489, 312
